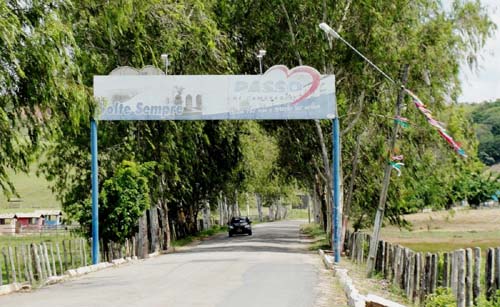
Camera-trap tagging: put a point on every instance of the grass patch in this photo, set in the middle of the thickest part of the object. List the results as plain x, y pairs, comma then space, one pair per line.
446, 231
34, 192
199, 236
16, 241
298, 214
316, 233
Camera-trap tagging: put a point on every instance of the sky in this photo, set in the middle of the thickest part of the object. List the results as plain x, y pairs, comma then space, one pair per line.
485, 83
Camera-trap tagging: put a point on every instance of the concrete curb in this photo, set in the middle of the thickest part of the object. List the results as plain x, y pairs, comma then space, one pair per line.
354, 298
6, 289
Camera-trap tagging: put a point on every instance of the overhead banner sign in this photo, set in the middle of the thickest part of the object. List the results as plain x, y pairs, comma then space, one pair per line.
280, 93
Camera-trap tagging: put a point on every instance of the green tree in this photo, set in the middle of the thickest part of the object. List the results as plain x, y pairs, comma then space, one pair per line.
39, 82
486, 116
194, 160
122, 200
481, 188
260, 167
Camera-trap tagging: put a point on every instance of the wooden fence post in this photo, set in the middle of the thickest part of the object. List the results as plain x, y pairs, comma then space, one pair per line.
18, 261
489, 275
461, 278
410, 275
361, 250
12, 265
434, 272
41, 257
468, 277
417, 273
428, 273
401, 267
26, 264
70, 250
446, 270
406, 269
353, 245
386, 259
142, 241
38, 263
380, 256
58, 252
30, 264
54, 268
476, 282
1, 274
82, 260
423, 278
453, 275
127, 246
47, 260
110, 251
6, 264
65, 255
390, 268
395, 266
134, 246
86, 250
497, 268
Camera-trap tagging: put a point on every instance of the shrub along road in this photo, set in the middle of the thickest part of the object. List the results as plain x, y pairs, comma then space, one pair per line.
271, 268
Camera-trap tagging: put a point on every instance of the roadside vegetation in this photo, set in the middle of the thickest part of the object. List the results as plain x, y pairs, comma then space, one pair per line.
200, 236
317, 235
443, 297
486, 119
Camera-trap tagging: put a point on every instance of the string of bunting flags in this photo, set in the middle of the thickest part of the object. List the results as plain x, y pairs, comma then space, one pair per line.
403, 122
397, 165
396, 161
438, 125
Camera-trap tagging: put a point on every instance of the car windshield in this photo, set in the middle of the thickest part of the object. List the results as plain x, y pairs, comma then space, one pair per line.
239, 220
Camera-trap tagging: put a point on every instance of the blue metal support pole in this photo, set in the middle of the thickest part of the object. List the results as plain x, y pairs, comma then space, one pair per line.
95, 193
336, 189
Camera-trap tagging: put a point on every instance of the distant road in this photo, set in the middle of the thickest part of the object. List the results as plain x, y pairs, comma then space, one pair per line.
271, 268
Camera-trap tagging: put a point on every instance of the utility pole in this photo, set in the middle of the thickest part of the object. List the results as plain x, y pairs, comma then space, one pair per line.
387, 178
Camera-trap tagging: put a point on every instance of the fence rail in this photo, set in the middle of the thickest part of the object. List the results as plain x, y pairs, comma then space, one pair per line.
37, 230
419, 274
36, 262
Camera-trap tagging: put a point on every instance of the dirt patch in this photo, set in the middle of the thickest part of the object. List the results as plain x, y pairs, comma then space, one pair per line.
377, 286
328, 292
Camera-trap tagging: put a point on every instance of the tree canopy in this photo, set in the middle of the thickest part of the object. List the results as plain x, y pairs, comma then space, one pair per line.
50, 50
486, 117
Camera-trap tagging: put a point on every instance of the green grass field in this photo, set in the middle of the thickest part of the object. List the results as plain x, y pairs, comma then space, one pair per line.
33, 191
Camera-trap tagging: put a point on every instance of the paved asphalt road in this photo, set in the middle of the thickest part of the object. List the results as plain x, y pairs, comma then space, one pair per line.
271, 268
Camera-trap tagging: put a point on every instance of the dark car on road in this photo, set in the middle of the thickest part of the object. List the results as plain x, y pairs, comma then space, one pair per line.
240, 225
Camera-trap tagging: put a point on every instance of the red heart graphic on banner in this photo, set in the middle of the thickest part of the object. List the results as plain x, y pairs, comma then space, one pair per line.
315, 76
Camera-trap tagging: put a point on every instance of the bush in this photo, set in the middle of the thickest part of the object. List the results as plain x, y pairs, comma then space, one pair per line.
444, 298
441, 298
123, 199
494, 302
